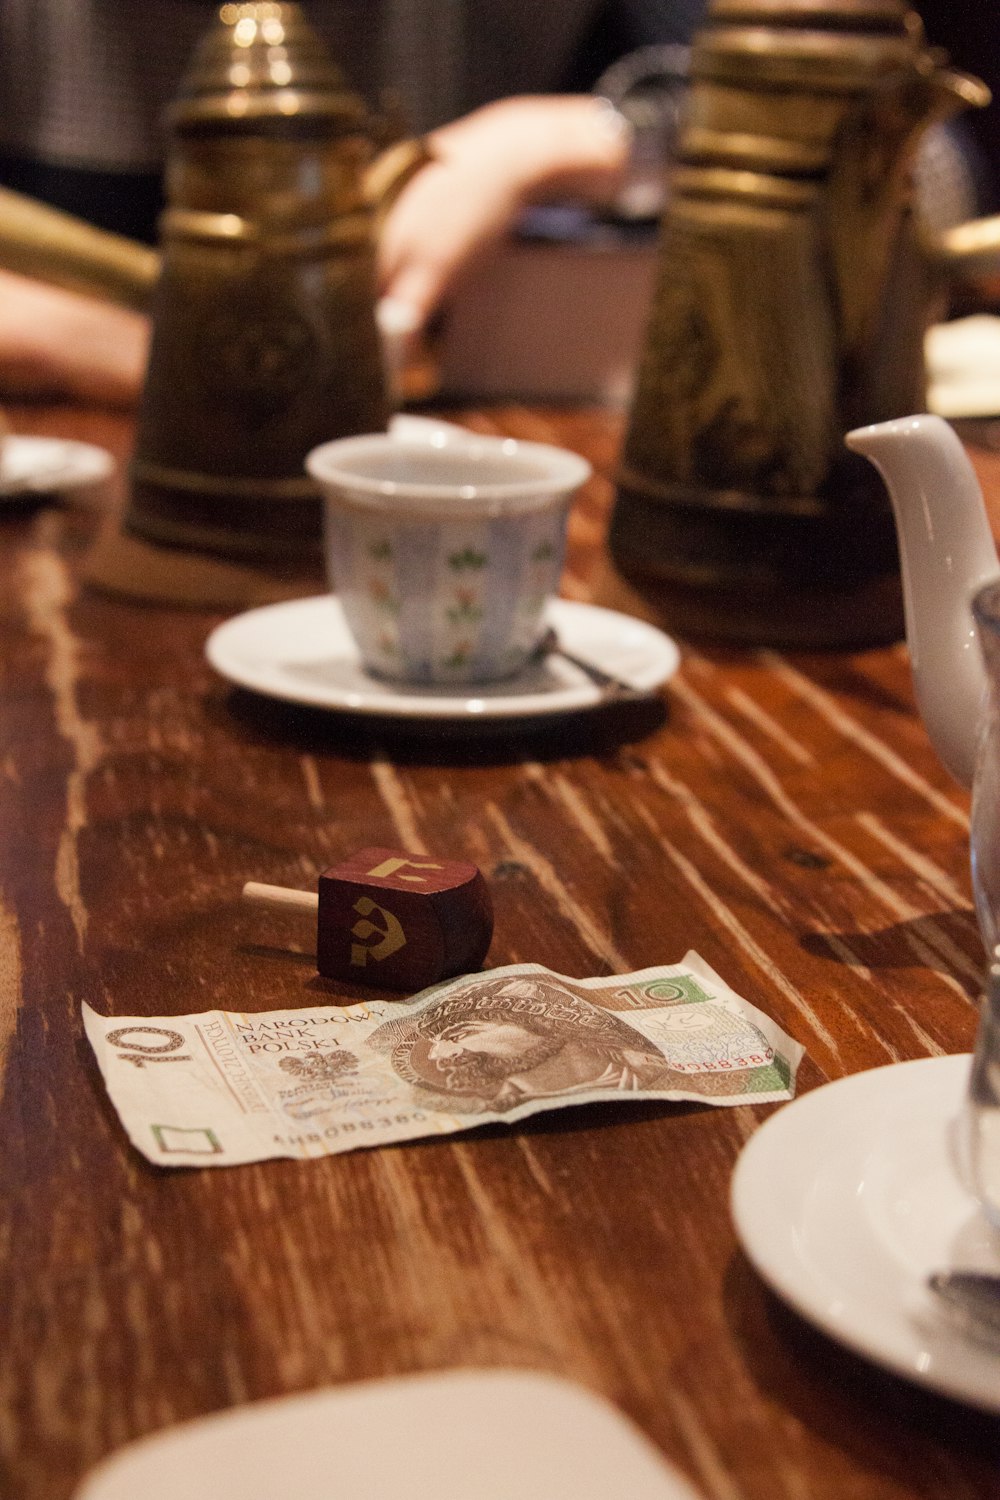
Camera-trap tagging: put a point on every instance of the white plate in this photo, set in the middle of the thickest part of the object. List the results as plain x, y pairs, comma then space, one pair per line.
47, 466
301, 651
489, 1435
846, 1201
433, 430
963, 367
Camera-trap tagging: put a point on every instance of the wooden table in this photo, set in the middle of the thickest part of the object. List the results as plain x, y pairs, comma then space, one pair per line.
784, 815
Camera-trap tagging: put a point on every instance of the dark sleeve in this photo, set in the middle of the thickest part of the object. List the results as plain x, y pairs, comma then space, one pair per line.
126, 203
622, 26
968, 33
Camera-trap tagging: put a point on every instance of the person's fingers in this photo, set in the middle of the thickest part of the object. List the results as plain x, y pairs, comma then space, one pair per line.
444, 220
424, 283
109, 366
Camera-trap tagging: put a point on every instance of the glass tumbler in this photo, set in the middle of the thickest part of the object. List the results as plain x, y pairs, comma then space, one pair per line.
982, 1125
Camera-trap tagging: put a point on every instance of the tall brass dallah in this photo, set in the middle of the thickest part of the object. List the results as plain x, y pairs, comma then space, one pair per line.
264, 336
794, 291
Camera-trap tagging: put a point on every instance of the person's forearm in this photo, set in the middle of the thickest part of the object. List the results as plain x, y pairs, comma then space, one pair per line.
55, 344
542, 146
485, 168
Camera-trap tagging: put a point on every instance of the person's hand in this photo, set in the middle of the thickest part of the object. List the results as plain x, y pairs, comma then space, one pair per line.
486, 167
55, 344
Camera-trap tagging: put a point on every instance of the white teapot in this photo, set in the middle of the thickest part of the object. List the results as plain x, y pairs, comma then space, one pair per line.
951, 602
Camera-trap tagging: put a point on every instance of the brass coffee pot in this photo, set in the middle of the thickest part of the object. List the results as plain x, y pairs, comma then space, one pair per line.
795, 287
264, 336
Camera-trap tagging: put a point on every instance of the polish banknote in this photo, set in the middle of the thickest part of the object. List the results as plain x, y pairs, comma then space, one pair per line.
225, 1087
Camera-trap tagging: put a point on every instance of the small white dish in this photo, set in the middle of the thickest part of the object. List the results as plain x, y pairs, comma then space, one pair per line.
489, 1434
302, 652
847, 1200
49, 466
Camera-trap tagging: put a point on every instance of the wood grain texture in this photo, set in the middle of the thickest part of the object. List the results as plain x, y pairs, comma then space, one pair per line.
783, 815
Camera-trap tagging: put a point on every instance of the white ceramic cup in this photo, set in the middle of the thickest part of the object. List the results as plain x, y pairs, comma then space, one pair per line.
445, 551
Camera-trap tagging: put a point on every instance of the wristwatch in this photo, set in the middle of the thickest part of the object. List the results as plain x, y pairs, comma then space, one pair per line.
647, 88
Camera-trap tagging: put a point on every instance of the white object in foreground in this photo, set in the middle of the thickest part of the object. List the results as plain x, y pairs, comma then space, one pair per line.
448, 1436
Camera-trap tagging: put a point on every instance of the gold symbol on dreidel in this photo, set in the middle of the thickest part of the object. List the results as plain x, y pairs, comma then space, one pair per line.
439, 924
393, 865
392, 937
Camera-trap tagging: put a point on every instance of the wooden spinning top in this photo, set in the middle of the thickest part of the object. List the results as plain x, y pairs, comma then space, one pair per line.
392, 919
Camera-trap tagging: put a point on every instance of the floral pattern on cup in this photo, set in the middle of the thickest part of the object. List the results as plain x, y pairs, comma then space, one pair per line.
442, 583
381, 588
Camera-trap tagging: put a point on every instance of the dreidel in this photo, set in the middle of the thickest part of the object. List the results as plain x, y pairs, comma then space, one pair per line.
392, 919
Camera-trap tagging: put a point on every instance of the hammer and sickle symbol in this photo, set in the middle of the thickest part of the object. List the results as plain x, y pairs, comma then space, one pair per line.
391, 935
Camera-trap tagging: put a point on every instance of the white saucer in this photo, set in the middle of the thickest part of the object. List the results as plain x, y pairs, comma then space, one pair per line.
48, 466
488, 1434
847, 1199
301, 651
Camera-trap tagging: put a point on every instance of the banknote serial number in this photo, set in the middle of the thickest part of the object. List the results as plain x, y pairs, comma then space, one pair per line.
351, 1127
726, 1064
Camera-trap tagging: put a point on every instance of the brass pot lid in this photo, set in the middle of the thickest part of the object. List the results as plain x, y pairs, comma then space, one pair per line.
886, 16
772, 57
261, 64
732, 184
754, 152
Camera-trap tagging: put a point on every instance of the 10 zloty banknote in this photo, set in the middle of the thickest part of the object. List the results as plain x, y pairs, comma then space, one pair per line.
223, 1087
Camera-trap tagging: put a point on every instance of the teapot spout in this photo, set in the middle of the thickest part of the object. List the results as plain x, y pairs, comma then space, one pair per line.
946, 552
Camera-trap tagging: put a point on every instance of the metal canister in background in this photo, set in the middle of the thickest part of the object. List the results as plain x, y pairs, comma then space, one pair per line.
793, 294
264, 336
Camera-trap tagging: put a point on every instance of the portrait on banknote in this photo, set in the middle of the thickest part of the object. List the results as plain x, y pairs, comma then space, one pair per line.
496, 1043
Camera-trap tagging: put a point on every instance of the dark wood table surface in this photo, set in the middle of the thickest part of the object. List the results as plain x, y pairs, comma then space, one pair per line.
783, 814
